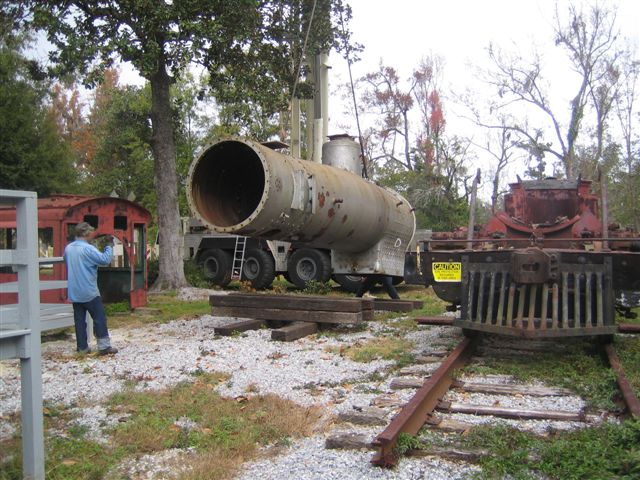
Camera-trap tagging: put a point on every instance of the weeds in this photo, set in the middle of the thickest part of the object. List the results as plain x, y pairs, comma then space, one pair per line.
579, 368
606, 451
383, 348
222, 433
407, 442
313, 287
170, 308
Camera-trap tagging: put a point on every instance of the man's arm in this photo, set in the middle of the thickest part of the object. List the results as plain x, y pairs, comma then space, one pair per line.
98, 257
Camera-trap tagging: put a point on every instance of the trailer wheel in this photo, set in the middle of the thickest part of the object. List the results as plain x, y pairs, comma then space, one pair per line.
216, 264
350, 283
258, 268
308, 264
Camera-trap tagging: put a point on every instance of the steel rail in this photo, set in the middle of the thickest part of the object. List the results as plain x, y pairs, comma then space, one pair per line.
529, 239
415, 413
628, 328
628, 394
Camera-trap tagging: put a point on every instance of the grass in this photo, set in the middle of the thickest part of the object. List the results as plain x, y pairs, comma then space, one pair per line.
381, 348
221, 433
169, 308
579, 368
628, 350
621, 318
606, 451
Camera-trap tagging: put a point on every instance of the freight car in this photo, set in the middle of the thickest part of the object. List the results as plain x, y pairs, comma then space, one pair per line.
545, 266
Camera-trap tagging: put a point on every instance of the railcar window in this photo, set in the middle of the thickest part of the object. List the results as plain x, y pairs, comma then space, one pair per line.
7, 238
120, 222
92, 220
45, 248
7, 242
71, 232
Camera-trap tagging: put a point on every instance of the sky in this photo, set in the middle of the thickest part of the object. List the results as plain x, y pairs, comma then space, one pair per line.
401, 32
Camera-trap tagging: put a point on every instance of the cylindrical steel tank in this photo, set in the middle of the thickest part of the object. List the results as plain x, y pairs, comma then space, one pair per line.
342, 152
241, 187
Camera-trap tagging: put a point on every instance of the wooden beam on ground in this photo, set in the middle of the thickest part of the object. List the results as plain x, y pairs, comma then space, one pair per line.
392, 305
407, 382
289, 315
347, 441
295, 302
294, 331
241, 325
629, 328
447, 321
496, 389
448, 453
515, 413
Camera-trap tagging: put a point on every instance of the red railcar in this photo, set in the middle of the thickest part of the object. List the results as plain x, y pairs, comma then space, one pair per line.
548, 265
124, 280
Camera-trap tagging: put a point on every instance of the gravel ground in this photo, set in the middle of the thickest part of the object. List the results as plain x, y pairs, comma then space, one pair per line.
304, 371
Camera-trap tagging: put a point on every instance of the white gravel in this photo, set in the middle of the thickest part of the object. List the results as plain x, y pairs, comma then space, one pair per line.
309, 460
305, 371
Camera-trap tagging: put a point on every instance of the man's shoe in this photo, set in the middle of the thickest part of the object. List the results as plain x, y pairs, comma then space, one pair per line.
86, 351
108, 351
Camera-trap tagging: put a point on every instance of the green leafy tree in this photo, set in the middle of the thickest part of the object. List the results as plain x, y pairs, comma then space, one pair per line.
239, 42
32, 154
122, 161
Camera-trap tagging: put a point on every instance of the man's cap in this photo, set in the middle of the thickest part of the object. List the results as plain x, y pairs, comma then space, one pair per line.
83, 229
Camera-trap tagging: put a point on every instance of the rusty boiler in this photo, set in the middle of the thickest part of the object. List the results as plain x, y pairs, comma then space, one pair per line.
242, 187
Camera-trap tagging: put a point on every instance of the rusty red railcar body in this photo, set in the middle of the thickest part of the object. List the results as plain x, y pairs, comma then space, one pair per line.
124, 280
547, 265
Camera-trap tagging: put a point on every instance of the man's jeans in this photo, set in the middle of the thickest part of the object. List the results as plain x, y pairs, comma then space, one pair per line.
96, 310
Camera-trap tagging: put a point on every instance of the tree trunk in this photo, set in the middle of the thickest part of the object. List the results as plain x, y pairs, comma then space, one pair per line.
171, 272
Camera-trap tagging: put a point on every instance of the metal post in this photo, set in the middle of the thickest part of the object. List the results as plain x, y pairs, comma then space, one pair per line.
605, 211
472, 210
324, 94
295, 128
317, 110
30, 351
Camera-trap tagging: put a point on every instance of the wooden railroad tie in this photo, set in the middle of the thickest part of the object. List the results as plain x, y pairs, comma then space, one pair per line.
301, 314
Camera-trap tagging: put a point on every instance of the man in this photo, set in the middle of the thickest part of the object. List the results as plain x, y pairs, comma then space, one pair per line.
370, 281
82, 261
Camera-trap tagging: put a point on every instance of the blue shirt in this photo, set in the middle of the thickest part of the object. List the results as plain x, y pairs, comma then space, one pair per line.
82, 261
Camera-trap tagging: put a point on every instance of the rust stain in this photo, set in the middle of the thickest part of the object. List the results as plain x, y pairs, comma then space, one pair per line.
351, 232
321, 199
331, 213
344, 219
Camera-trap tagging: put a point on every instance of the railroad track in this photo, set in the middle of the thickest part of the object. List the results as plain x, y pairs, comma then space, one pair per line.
427, 407
420, 410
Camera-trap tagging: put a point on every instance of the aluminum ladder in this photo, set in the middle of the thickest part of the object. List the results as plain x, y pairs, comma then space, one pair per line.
238, 257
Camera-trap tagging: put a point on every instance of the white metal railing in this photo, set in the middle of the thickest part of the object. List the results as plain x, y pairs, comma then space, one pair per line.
22, 341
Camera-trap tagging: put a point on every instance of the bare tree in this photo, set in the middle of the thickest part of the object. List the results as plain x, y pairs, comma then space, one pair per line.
589, 39
627, 175
396, 138
500, 144
384, 96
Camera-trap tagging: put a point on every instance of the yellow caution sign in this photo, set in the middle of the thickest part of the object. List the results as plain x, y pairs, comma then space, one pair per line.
447, 271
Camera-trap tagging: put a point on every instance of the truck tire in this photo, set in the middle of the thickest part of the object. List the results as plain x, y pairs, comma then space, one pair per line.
216, 265
308, 264
259, 268
350, 283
